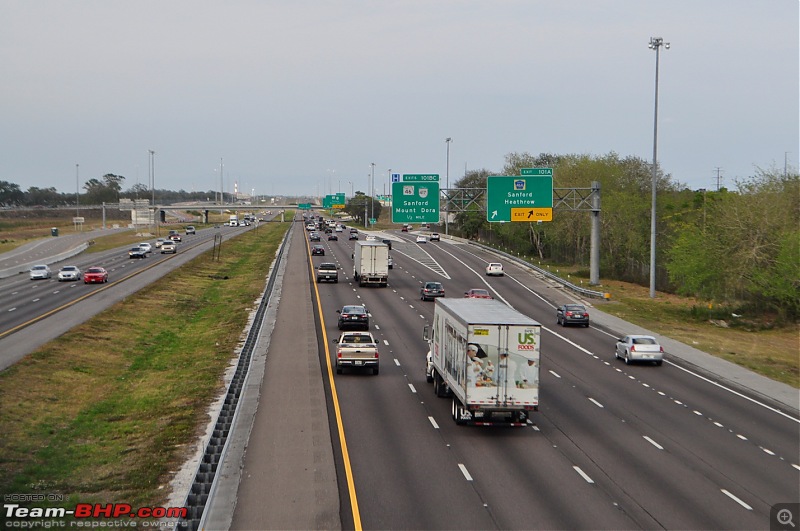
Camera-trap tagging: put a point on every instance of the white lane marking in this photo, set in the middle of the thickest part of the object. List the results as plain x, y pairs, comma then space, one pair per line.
583, 474
651, 441
411, 386
678, 402
796, 466
433, 423
737, 500
555, 374
385, 342
767, 450
36, 300
697, 413
595, 402
646, 385
742, 437
464, 471
12, 309
754, 401
397, 362
718, 425
422, 316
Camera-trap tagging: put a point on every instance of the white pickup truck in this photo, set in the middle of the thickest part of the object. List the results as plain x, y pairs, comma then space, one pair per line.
356, 349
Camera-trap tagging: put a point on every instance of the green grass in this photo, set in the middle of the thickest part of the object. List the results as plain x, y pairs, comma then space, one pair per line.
105, 413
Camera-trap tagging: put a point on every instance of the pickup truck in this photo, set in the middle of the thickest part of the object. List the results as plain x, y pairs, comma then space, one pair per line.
327, 271
356, 349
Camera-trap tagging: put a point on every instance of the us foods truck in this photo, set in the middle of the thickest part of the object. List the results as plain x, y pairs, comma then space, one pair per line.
485, 356
371, 263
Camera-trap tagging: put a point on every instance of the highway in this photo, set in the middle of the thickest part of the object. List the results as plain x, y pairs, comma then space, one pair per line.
612, 447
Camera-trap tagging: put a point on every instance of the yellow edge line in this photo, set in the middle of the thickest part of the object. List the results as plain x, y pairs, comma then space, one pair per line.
351, 487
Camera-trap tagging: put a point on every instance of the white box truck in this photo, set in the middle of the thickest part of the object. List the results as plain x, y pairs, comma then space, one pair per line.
486, 356
371, 263
233, 221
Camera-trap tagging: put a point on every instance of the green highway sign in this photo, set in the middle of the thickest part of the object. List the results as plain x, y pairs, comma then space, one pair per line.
333, 201
524, 198
420, 177
304, 206
415, 202
542, 172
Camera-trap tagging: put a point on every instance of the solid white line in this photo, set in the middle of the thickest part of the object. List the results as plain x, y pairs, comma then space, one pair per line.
555, 374
12, 309
737, 500
464, 471
595, 402
433, 423
411, 386
796, 466
651, 441
583, 474
736, 393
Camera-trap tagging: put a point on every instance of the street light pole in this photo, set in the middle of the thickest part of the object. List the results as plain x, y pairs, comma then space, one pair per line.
371, 192
77, 193
655, 44
446, 187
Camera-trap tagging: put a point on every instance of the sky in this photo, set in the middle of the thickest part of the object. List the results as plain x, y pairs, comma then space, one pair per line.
302, 97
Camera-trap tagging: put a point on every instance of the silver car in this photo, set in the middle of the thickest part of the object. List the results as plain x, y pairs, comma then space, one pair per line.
69, 273
639, 348
40, 271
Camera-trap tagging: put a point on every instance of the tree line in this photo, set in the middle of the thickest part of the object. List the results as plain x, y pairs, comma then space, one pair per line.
107, 189
738, 247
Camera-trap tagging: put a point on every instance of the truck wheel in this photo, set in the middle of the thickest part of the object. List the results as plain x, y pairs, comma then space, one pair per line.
437, 382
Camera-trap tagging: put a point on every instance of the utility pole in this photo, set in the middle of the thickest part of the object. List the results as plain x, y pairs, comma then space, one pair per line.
718, 177
655, 44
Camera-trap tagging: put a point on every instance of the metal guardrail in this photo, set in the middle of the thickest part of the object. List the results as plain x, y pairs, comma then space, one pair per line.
543, 272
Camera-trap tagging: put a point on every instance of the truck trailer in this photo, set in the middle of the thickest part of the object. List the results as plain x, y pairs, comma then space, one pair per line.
371, 263
485, 356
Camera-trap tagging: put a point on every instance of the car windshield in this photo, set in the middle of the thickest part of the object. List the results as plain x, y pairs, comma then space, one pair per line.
94, 270
356, 338
39, 268
575, 308
327, 266
433, 285
354, 309
479, 292
68, 268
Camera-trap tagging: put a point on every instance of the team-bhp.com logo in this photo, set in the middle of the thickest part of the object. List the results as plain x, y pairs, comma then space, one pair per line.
91, 510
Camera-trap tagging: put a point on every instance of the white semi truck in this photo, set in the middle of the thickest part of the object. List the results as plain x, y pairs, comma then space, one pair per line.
486, 356
371, 263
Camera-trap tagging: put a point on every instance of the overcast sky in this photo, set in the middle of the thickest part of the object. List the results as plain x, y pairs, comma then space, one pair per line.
301, 96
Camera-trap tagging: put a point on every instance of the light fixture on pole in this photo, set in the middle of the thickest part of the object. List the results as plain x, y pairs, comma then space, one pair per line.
655, 44
446, 187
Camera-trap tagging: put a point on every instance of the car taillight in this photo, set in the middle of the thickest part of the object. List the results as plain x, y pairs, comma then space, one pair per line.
633, 348
661, 349
376, 353
569, 314
338, 353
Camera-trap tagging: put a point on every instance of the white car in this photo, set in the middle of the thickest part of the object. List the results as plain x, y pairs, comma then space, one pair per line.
159, 242
146, 246
495, 269
422, 239
169, 246
68, 273
639, 348
40, 271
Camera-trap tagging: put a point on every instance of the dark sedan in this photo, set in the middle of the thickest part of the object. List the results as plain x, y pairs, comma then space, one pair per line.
570, 314
332, 237
353, 316
318, 250
314, 237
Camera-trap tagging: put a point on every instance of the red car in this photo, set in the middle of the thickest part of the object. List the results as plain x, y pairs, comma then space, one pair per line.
95, 275
477, 294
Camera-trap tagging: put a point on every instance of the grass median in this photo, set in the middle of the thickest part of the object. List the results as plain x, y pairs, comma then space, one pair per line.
107, 412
